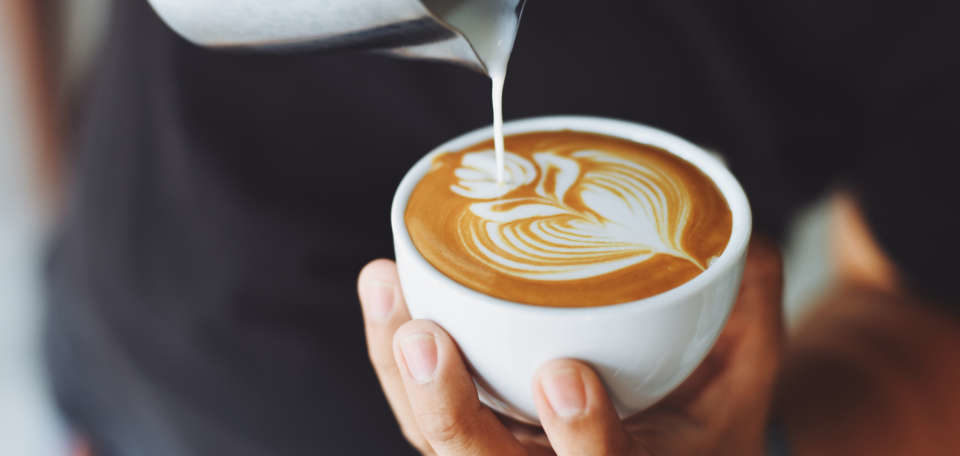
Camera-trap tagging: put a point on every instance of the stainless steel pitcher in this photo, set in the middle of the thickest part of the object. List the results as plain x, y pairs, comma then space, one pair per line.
408, 28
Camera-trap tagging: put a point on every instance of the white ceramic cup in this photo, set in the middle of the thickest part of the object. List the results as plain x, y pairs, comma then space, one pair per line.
641, 349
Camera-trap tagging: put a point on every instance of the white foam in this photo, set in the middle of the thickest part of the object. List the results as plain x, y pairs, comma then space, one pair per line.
633, 213
476, 173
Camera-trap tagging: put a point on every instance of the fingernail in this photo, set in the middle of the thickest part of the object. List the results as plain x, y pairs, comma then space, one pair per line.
565, 391
420, 355
380, 299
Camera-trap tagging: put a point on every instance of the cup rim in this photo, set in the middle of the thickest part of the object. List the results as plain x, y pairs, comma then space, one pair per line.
706, 162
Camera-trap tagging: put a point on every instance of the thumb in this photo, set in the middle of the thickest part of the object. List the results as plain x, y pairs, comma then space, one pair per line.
576, 413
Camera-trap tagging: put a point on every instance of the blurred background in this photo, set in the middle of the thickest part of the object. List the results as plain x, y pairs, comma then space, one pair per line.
27, 422
29, 425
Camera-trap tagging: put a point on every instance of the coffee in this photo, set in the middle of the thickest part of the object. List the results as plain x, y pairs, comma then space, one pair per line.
581, 219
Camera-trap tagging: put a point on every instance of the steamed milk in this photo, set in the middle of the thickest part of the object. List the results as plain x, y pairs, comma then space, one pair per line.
491, 28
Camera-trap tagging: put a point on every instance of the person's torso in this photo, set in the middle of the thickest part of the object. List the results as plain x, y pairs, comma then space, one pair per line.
223, 202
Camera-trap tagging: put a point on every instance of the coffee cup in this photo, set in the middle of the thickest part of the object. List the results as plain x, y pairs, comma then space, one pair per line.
642, 349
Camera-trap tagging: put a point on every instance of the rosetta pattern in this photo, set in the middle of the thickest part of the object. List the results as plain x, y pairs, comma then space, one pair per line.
591, 213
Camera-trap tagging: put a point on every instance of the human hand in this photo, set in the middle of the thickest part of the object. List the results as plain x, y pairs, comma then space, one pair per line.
721, 409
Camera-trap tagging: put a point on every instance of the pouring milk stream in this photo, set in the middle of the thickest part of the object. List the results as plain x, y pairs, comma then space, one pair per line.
491, 28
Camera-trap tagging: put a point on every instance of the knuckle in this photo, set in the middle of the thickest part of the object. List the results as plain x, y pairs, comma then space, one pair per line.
380, 356
382, 363
610, 445
444, 426
416, 440
765, 258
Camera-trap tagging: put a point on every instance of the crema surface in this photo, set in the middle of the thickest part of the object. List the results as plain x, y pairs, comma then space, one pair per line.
581, 220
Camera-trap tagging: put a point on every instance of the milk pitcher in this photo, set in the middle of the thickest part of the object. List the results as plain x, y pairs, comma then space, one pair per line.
473, 33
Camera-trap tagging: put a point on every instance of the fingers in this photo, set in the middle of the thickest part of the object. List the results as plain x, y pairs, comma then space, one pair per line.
755, 321
576, 413
443, 397
763, 277
752, 346
383, 312
759, 307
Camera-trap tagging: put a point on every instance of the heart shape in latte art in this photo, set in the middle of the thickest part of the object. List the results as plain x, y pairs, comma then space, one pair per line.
590, 213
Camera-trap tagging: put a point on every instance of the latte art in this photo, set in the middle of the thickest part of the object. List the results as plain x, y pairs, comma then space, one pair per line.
574, 210
592, 213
